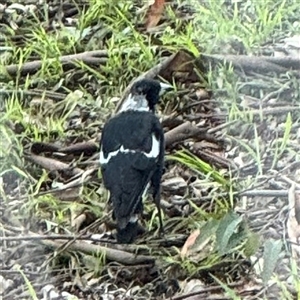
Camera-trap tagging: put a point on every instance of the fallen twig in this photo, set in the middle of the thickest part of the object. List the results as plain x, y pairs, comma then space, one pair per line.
205, 290
36, 92
267, 111
258, 64
90, 57
86, 148
214, 159
265, 193
182, 132
53, 164
95, 57
48, 237
112, 254
119, 256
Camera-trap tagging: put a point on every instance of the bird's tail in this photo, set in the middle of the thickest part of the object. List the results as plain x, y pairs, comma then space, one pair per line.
128, 234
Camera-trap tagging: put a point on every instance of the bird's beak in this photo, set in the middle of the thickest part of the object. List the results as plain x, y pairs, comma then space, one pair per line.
165, 87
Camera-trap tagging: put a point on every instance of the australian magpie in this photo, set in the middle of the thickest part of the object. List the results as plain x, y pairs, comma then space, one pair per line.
132, 156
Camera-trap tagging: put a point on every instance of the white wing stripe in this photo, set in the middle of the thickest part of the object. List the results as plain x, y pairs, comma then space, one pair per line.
155, 148
152, 154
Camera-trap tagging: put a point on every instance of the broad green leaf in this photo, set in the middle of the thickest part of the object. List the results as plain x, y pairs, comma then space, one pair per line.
226, 229
235, 240
271, 254
252, 244
208, 230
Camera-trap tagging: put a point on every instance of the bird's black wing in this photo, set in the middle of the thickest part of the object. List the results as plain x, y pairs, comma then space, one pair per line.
130, 129
128, 159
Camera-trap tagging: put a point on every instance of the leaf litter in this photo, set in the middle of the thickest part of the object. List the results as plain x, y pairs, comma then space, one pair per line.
91, 266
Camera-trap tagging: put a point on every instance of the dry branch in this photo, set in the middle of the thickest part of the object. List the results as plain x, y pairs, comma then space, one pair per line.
86, 148
111, 254
90, 58
119, 256
214, 159
182, 132
258, 64
53, 164
36, 92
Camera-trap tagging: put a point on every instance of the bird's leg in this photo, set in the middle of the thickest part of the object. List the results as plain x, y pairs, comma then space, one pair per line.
155, 185
156, 197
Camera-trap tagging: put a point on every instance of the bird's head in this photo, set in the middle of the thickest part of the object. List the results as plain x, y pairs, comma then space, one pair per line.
144, 95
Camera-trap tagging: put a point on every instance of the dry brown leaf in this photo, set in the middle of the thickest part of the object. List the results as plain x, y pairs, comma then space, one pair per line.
184, 68
189, 242
154, 13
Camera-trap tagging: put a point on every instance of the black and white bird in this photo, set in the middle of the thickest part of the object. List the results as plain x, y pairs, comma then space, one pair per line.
132, 156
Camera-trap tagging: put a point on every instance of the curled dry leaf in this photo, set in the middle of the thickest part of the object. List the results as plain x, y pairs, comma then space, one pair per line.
154, 13
189, 242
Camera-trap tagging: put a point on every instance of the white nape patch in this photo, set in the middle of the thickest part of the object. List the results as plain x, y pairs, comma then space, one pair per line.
133, 219
136, 102
154, 152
